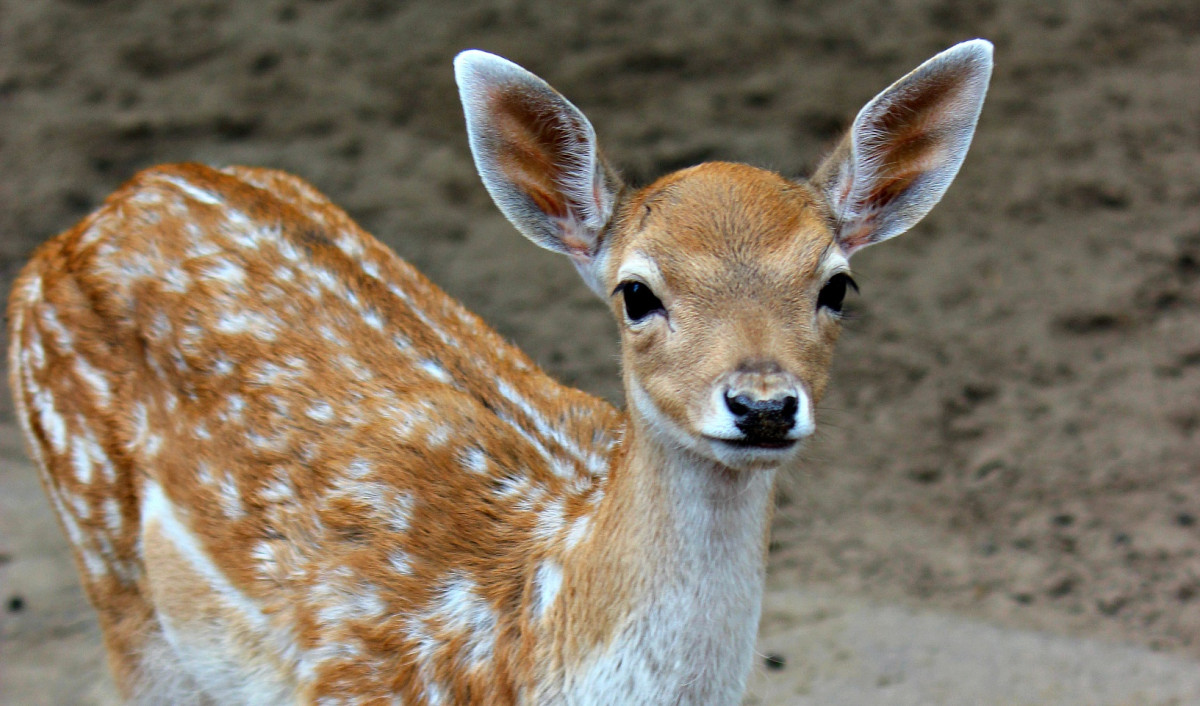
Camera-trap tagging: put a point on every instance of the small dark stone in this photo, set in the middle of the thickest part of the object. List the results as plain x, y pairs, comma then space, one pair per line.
926, 475
1063, 520
1185, 519
1083, 323
1061, 587
16, 604
1112, 604
774, 662
264, 62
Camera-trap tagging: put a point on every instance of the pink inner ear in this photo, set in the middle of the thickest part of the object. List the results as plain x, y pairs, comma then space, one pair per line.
576, 245
858, 236
535, 147
906, 140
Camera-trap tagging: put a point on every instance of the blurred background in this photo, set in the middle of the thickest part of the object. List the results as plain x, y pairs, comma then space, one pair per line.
1011, 436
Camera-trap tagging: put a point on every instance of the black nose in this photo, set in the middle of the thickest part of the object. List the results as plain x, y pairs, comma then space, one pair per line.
763, 419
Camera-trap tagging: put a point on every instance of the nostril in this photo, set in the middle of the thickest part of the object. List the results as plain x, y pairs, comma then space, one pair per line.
744, 405
738, 404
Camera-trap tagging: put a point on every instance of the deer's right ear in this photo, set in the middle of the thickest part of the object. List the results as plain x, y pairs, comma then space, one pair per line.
538, 158
905, 147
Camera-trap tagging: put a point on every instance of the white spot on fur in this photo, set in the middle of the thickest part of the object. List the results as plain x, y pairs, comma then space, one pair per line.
343, 596
204, 473
270, 374
81, 459
373, 319
461, 611
194, 192
541, 425
153, 444
361, 372
434, 370
287, 250
579, 530
510, 487
359, 468
351, 246
474, 460
550, 521
320, 412
94, 380
400, 562
63, 339
176, 280
52, 423
34, 353
399, 512
230, 498
236, 404
225, 271
113, 519
80, 503
252, 322
439, 435
546, 584
437, 330
408, 420
279, 490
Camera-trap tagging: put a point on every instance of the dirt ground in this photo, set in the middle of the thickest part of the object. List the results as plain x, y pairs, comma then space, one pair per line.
1013, 431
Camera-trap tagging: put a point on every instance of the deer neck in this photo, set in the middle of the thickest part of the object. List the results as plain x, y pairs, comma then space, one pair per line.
665, 596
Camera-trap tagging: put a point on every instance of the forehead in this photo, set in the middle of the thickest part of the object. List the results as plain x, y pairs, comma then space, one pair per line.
722, 220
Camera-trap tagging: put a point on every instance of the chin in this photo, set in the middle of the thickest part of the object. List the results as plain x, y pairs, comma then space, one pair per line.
743, 456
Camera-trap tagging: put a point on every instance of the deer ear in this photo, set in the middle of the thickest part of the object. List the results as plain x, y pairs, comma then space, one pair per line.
538, 158
906, 146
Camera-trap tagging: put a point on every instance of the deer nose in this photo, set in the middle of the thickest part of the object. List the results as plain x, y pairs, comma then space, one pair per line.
769, 418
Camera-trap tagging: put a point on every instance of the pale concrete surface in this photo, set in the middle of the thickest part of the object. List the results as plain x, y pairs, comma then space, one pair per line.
841, 651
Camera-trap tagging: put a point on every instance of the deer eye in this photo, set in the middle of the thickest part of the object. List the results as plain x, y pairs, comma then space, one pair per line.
833, 294
640, 302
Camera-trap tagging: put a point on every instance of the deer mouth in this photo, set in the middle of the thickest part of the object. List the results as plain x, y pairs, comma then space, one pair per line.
755, 444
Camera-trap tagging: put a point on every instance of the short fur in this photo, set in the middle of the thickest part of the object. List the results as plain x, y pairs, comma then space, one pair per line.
294, 470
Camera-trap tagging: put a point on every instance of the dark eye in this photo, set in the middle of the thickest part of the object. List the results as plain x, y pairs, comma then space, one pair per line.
640, 302
833, 294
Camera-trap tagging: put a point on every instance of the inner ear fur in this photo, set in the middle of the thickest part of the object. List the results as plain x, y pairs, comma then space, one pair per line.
905, 147
537, 155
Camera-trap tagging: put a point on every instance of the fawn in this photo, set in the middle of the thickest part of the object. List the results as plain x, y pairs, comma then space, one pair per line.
294, 470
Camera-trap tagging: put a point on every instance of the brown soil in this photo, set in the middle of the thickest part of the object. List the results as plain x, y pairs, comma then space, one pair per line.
1013, 432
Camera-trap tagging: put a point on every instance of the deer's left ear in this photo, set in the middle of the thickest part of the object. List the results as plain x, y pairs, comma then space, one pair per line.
905, 147
538, 158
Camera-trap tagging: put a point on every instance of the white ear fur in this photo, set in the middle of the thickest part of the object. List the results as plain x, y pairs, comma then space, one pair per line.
538, 158
906, 146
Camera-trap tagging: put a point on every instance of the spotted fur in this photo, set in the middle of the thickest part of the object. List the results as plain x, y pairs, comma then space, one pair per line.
294, 470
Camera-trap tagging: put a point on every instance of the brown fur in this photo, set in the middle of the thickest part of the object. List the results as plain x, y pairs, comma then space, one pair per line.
172, 368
